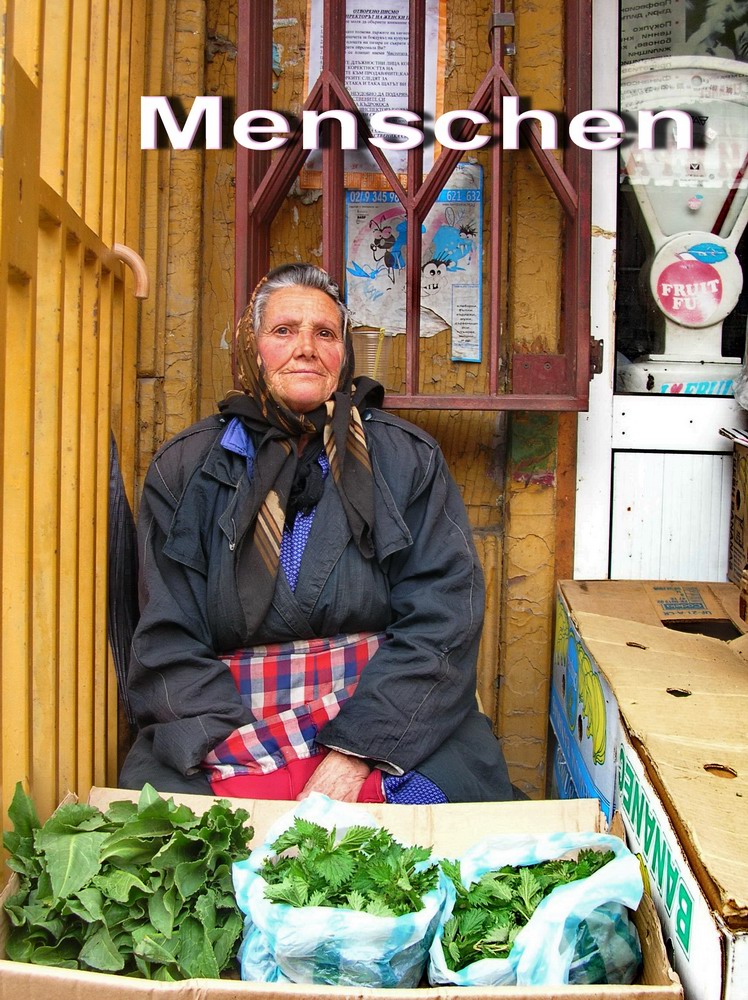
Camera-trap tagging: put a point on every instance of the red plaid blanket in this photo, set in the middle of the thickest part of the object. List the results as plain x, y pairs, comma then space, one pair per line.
292, 689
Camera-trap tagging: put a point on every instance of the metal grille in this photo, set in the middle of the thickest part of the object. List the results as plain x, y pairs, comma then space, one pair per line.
557, 381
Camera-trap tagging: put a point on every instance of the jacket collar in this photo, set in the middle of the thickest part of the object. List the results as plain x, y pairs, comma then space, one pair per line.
226, 466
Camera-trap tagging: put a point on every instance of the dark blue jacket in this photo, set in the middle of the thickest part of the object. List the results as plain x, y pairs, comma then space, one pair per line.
414, 707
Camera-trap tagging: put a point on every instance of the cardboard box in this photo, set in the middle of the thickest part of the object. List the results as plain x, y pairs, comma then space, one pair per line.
652, 720
450, 828
738, 556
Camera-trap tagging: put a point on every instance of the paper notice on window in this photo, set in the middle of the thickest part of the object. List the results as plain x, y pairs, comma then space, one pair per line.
376, 68
651, 28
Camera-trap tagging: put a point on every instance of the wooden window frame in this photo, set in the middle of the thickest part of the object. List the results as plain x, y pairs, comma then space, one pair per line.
549, 381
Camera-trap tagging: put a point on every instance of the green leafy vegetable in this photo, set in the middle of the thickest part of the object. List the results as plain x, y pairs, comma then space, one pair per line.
365, 870
142, 889
489, 914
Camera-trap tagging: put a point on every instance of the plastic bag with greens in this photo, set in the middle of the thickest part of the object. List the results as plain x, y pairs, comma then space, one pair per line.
346, 945
577, 933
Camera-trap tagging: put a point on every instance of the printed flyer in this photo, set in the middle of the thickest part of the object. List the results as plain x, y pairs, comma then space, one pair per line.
451, 262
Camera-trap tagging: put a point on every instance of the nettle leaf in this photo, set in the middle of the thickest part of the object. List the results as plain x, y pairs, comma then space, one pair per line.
293, 891
355, 837
506, 900
303, 832
355, 900
454, 953
378, 908
471, 922
366, 861
529, 892
336, 867
498, 934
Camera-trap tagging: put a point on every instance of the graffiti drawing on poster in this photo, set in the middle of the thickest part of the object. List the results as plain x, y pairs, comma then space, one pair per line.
451, 262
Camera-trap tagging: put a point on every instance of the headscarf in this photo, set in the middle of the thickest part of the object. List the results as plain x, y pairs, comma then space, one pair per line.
276, 461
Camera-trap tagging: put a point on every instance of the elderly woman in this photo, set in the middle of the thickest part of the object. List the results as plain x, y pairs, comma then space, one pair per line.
311, 601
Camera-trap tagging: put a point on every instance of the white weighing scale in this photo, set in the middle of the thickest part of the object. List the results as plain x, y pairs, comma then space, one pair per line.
694, 204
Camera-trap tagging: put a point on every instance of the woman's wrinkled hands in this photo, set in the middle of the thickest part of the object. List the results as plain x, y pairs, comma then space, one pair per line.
339, 776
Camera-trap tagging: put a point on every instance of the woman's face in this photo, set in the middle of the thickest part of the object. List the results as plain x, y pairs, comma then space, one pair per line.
301, 347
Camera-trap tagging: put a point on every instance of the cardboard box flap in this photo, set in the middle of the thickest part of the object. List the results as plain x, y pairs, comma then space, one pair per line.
684, 701
657, 602
449, 829
721, 810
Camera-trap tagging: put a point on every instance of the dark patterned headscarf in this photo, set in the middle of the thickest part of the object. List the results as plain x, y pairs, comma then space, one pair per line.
276, 431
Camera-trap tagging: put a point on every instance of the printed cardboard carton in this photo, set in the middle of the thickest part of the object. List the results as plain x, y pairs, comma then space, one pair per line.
652, 720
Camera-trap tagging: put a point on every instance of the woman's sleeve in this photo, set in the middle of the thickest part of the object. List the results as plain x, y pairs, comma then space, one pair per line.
183, 696
420, 684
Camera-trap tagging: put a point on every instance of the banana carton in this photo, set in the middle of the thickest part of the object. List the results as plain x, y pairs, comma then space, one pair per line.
648, 706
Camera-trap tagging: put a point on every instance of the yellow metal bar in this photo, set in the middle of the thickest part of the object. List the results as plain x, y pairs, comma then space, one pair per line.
26, 36
15, 569
86, 526
102, 721
46, 512
78, 107
67, 742
95, 119
113, 134
55, 72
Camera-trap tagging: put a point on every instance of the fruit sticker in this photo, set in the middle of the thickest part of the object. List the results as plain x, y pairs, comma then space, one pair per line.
689, 290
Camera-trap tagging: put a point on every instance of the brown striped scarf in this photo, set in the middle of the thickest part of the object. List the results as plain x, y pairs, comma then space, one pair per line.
275, 430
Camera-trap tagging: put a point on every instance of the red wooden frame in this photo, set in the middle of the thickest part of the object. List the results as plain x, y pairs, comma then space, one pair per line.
538, 381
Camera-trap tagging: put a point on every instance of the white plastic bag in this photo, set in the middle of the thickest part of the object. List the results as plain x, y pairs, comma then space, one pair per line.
322, 944
544, 950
